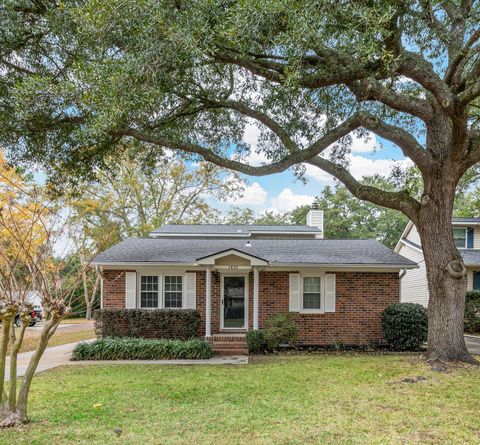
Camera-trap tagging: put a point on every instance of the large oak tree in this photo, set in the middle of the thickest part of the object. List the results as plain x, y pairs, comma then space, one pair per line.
189, 75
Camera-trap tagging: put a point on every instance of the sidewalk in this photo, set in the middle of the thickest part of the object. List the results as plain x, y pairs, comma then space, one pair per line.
60, 356
52, 357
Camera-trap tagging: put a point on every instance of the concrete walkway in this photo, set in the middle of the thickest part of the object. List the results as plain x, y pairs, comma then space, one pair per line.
60, 356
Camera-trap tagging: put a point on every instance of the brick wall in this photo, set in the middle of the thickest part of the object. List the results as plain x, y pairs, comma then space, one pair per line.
114, 289
360, 299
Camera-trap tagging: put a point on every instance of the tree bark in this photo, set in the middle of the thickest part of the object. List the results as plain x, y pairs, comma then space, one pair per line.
88, 311
20, 416
446, 275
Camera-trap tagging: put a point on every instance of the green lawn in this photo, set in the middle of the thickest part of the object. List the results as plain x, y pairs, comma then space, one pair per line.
336, 399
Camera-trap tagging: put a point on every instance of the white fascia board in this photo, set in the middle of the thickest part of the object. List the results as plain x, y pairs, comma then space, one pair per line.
403, 235
464, 223
344, 266
144, 263
210, 260
407, 243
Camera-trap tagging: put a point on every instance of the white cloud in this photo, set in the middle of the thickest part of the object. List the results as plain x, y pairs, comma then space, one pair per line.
362, 145
252, 195
359, 166
287, 200
251, 136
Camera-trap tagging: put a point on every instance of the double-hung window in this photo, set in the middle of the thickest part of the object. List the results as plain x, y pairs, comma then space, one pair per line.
460, 237
173, 291
149, 291
312, 295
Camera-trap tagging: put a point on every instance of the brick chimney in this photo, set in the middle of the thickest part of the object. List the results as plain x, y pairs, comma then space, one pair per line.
315, 218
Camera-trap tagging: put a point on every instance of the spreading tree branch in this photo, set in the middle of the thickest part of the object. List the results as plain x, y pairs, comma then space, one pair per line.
294, 157
401, 201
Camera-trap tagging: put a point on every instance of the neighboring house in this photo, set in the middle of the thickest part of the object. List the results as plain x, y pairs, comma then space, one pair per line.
237, 276
466, 233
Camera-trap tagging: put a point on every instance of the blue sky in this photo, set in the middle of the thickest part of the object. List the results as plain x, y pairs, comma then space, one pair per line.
282, 192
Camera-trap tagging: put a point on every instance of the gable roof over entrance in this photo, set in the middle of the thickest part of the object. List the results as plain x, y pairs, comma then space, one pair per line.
254, 260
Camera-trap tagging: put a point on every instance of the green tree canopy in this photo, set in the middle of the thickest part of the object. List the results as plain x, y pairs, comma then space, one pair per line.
79, 77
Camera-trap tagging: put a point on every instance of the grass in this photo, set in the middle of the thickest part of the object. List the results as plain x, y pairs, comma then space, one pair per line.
61, 337
324, 399
30, 341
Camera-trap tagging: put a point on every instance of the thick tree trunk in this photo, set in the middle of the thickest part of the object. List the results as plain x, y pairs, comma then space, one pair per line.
446, 276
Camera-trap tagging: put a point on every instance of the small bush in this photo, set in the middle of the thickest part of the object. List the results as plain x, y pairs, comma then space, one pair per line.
280, 329
405, 326
153, 323
141, 349
472, 311
256, 341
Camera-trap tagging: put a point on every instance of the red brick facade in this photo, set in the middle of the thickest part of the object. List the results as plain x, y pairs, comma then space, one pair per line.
360, 299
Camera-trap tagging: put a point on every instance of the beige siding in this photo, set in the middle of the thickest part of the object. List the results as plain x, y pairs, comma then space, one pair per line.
231, 260
413, 235
414, 287
469, 279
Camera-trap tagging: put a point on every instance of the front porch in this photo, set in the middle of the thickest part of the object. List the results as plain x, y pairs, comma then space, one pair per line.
231, 295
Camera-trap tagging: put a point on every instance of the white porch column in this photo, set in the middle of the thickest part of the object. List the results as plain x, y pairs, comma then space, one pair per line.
255, 296
208, 302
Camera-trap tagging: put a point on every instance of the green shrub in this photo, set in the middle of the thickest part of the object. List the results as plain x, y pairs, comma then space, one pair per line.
405, 326
256, 341
153, 323
141, 349
280, 329
472, 311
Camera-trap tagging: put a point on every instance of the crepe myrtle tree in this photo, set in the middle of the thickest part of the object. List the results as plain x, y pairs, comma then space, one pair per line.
28, 233
311, 75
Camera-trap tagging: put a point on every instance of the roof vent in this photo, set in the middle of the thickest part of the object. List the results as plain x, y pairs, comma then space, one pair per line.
248, 244
239, 230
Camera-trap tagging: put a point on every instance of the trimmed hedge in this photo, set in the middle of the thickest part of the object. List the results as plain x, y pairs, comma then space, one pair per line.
256, 341
472, 311
142, 349
405, 326
181, 324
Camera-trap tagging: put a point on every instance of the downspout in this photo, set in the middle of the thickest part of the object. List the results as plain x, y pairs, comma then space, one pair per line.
99, 270
400, 283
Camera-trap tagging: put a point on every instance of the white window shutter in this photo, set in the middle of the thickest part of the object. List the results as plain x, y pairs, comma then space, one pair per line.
161, 298
130, 290
190, 293
330, 292
294, 299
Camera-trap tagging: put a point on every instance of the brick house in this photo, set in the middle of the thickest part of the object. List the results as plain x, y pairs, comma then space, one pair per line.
237, 276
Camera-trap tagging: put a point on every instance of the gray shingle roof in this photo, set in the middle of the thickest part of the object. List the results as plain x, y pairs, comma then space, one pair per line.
276, 251
229, 229
471, 257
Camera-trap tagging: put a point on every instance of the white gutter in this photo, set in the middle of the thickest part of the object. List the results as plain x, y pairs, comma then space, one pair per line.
295, 265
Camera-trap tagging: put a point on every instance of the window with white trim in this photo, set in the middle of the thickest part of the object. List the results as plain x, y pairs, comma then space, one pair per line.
312, 295
173, 291
460, 237
149, 291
